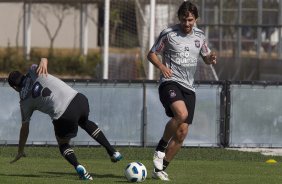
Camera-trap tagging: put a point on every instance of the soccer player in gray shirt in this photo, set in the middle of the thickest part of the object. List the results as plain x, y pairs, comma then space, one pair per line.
67, 108
180, 46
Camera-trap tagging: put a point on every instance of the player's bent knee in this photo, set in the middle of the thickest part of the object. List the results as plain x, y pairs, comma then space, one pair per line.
181, 117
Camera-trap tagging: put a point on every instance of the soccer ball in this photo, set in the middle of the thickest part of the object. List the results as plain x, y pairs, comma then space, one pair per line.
135, 172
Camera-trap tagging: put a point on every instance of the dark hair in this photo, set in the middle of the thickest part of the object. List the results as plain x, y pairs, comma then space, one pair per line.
187, 7
15, 78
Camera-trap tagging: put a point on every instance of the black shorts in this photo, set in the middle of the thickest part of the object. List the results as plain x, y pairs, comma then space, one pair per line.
170, 92
77, 112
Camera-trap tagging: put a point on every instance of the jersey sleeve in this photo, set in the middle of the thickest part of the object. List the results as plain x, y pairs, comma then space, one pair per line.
205, 50
32, 71
159, 45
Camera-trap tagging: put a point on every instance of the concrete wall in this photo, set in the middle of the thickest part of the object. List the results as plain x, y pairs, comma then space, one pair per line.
11, 26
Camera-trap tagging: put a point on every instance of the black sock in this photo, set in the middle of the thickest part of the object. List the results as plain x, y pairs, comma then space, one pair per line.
68, 153
157, 170
162, 146
165, 164
96, 133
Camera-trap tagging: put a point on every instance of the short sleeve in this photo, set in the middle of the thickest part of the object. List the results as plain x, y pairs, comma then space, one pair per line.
159, 45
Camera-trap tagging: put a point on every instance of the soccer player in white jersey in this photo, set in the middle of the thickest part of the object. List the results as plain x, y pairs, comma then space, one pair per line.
67, 108
180, 46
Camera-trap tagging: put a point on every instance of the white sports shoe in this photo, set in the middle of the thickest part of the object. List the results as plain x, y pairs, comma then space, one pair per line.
158, 160
116, 157
83, 174
161, 175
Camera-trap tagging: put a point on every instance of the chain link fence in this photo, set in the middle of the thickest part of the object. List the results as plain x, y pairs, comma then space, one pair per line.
245, 34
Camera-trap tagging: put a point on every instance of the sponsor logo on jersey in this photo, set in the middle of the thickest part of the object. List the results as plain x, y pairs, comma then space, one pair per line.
197, 43
185, 59
172, 93
36, 90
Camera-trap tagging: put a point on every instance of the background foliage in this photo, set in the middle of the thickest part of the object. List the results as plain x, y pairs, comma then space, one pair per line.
62, 62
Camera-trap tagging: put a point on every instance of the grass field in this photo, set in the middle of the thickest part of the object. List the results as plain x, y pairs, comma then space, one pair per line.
192, 165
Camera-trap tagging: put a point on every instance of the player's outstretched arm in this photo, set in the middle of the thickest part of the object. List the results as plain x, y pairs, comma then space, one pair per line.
23, 137
210, 59
42, 67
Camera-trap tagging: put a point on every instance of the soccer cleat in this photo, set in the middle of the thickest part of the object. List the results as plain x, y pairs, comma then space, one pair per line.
161, 175
158, 160
83, 174
116, 157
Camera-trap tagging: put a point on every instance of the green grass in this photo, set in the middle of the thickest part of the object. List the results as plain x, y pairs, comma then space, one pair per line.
191, 165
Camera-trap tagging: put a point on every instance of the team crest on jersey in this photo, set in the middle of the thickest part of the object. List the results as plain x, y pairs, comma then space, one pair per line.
36, 90
172, 93
186, 48
197, 43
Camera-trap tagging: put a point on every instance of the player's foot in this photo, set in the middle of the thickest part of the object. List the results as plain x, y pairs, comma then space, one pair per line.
83, 174
161, 175
158, 160
116, 157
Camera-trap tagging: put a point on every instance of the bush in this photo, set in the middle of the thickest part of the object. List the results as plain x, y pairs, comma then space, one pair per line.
61, 63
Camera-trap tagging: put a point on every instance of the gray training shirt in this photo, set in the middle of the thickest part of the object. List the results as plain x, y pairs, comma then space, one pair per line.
180, 52
47, 94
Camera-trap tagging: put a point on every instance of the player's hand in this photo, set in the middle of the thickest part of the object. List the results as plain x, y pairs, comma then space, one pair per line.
212, 58
42, 68
19, 155
167, 72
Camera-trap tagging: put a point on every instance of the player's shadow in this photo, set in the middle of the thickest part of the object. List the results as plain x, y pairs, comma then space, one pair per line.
95, 175
107, 176
22, 175
59, 173
121, 179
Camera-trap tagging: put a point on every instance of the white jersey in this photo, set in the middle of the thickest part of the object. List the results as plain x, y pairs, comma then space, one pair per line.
180, 52
47, 94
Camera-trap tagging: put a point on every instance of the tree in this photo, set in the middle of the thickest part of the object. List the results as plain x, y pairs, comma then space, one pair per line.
59, 11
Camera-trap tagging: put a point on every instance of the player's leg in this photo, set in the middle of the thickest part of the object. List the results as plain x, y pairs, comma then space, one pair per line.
176, 143
96, 133
68, 153
93, 130
159, 154
177, 131
160, 163
170, 96
187, 106
66, 127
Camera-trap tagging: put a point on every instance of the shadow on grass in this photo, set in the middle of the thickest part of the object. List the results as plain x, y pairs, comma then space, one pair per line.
42, 175
59, 173
92, 174
22, 175
118, 179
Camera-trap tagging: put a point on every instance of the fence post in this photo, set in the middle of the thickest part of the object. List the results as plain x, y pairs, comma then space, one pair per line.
26, 29
144, 120
152, 35
106, 40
